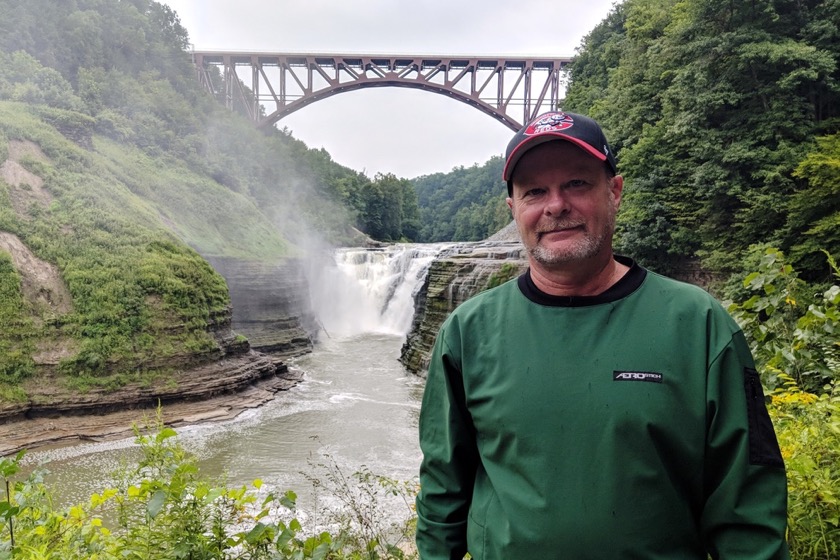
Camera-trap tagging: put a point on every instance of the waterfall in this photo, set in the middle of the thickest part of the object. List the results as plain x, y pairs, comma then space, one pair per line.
370, 290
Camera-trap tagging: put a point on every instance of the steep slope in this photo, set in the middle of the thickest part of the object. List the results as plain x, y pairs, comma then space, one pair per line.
120, 182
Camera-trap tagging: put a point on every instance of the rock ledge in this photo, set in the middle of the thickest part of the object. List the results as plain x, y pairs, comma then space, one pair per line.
212, 392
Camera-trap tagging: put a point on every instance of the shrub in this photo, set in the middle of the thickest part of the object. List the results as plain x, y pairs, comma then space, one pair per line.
162, 509
808, 428
797, 350
791, 332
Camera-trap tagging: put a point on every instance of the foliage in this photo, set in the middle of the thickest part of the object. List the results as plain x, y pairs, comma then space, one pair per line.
162, 509
18, 331
130, 280
793, 335
813, 218
388, 209
23, 78
796, 345
808, 429
138, 293
711, 106
466, 204
360, 516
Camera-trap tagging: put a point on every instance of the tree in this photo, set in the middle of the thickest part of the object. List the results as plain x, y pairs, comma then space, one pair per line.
711, 105
813, 217
389, 210
466, 204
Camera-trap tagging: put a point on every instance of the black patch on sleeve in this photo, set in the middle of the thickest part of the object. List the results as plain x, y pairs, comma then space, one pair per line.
764, 449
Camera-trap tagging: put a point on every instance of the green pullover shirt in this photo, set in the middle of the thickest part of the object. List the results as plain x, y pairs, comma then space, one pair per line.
629, 425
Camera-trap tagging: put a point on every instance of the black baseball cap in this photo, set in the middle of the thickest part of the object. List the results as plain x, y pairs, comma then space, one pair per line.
580, 130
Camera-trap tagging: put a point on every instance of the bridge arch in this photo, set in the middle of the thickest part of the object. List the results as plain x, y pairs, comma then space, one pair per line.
270, 86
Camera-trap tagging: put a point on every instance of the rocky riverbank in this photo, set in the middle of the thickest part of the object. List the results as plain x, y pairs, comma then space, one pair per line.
210, 393
269, 307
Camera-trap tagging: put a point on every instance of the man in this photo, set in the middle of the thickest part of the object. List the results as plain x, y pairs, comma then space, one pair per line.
592, 409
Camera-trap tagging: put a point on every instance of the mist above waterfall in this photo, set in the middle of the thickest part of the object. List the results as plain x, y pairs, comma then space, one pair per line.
369, 290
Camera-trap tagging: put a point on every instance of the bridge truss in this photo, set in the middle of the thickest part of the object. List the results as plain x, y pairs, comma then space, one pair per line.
269, 86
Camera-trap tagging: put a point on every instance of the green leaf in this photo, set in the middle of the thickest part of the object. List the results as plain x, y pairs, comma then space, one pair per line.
156, 503
165, 433
321, 551
256, 533
289, 499
10, 467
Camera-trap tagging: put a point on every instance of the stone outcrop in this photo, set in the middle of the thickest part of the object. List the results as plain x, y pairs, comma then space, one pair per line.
457, 274
199, 386
211, 385
270, 304
217, 391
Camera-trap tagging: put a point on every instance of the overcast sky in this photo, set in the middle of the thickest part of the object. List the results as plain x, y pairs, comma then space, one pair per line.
403, 131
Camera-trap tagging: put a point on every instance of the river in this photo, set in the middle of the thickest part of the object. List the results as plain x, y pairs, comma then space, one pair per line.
356, 407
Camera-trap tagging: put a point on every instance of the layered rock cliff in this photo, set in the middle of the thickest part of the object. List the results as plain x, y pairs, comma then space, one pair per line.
189, 365
270, 304
245, 368
209, 385
457, 274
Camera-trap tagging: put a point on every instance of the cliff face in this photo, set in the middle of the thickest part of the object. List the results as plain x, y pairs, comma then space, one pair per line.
213, 385
228, 367
270, 304
456, 275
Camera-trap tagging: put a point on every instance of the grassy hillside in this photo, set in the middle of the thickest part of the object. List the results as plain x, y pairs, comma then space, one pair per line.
129, 278
119, 176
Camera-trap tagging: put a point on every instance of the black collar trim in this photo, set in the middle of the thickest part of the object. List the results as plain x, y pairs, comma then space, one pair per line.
628, 284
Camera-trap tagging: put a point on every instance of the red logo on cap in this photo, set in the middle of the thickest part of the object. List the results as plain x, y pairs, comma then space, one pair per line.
550, 122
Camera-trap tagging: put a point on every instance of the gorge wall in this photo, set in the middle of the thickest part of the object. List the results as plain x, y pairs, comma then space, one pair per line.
213, 385
270, 304
457, 274
269, 308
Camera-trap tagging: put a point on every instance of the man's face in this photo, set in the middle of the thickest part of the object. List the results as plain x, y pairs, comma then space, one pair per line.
564, 204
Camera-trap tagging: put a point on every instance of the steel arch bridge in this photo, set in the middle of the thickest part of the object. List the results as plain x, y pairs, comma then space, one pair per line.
269, 86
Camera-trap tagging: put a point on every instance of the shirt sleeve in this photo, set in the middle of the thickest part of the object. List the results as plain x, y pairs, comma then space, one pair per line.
745, 512
450, 457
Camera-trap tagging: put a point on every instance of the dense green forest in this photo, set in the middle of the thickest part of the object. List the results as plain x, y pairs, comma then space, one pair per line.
466, 204
725, 119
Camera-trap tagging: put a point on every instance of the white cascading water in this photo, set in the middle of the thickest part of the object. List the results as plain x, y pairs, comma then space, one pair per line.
370, 290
